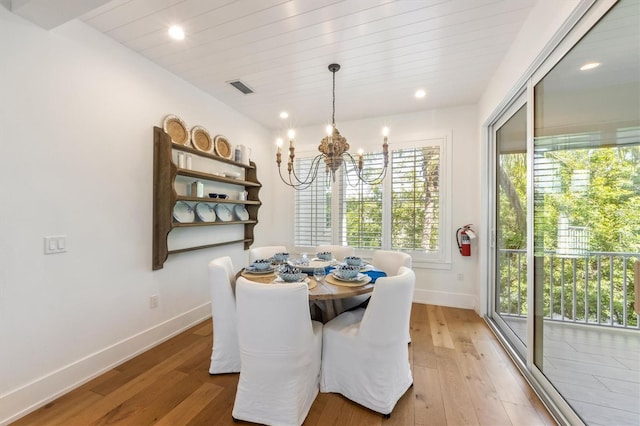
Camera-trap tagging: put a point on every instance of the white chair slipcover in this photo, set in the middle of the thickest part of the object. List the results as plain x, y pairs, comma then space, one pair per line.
390, 261
225, 356
365, 355
339, 252
280, 350
265, 252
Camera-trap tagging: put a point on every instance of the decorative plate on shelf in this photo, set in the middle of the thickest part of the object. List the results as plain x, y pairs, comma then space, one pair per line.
201, 139
241, 212
183, 213
176, 129
223, 213
222, 147
205, 212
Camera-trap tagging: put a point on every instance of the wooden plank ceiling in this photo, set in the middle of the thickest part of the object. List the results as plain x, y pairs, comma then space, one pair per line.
281, 49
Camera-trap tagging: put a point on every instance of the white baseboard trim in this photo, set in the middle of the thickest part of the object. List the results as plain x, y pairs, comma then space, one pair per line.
441, 298
20, 402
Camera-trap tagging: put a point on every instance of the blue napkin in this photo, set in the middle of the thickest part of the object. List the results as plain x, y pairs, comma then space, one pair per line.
373, 273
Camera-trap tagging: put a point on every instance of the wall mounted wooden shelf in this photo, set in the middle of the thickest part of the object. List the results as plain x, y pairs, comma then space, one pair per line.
165, 196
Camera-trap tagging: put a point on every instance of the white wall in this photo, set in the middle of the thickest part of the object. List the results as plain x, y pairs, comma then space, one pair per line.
435, 286
77, 112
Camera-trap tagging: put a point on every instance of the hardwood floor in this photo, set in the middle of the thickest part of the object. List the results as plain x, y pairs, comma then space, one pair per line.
462, 376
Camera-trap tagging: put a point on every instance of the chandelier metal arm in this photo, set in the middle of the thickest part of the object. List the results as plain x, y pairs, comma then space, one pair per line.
298, 183
359, 173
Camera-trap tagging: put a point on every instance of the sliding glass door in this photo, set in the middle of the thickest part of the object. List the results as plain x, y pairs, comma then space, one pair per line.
566, 222
586, 221
510, 278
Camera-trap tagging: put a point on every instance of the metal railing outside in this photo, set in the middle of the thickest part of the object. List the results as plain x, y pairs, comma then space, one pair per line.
594, 288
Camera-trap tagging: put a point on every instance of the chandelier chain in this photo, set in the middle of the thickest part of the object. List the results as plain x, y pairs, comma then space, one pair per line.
333, 114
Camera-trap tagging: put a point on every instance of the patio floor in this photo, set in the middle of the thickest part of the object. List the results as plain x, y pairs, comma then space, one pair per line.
596, 369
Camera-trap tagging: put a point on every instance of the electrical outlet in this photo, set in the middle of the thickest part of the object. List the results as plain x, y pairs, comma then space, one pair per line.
460, 277
153, 301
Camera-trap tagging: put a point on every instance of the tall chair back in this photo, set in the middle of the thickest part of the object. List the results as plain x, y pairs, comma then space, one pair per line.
365, 355
265, 252
390, 261
389, 309
225, 355
280, 350
339, 252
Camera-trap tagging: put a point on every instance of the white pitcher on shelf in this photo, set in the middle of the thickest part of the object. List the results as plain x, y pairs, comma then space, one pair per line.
245, 154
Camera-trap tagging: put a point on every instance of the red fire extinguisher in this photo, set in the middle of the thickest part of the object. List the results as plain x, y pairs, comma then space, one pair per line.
463, 237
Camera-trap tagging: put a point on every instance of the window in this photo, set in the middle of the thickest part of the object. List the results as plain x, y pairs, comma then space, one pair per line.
406, 212
313, 208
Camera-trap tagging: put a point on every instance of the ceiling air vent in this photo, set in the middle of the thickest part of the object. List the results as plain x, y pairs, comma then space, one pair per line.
241, 87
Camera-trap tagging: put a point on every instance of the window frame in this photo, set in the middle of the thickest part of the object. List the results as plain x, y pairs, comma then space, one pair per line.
442, 258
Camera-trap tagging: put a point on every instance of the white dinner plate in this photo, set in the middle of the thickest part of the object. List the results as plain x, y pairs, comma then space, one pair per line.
223, 213
252, 270
302, 280
205, 212
357, 278
183, 212
241, 212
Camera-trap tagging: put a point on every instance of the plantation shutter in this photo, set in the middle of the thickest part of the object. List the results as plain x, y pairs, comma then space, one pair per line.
313, 208
361, 206
415, 199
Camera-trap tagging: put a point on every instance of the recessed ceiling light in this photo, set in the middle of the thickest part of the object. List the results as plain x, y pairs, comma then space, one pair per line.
589, 66
420, 94
284, 114
176, 32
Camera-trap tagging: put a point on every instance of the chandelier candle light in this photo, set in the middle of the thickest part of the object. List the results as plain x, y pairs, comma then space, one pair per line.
334, 151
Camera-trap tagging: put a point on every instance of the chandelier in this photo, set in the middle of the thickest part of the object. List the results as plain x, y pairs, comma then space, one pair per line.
334, 152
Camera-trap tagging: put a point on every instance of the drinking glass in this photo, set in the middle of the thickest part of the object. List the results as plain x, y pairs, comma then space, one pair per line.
319, 274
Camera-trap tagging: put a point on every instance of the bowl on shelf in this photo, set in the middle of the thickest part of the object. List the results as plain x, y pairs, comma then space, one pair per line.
233, 175
324, 255
347, 272
262, 264
213, 195
353, 260
223, 196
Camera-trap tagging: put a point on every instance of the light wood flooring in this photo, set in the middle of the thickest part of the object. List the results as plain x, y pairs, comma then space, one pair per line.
462, 376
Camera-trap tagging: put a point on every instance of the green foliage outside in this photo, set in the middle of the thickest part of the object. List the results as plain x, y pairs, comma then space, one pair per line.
414, 204
597, 190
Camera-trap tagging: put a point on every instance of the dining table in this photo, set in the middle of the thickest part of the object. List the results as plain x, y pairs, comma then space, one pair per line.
328, 294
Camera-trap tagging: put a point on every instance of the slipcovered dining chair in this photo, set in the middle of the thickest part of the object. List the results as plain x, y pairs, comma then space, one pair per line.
225, 355
390, 261
365, 355
339, 252
265, 252
280, 350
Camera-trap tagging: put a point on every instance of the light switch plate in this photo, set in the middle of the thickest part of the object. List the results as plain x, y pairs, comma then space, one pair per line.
55, 244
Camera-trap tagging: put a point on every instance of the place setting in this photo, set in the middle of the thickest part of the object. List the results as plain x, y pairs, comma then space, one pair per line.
359, 262
347, 276
260, 267
289, 274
